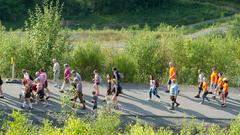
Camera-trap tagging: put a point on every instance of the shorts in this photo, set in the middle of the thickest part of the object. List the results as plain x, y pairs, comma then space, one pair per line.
28, 95
200, 86
224, 95
41, 94
169, 82
45, 85
116, 91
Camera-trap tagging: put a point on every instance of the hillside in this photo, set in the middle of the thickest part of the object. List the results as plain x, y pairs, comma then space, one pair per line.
114, 15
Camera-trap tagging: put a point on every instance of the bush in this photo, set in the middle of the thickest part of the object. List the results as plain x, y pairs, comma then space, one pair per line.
87, 57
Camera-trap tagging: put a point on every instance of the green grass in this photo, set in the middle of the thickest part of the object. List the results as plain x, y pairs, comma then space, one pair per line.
182, 12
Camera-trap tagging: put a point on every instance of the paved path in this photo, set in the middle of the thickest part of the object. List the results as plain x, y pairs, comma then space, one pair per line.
133, 104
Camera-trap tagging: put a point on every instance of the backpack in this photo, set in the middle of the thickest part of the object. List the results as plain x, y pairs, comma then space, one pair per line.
157, 83
120, 76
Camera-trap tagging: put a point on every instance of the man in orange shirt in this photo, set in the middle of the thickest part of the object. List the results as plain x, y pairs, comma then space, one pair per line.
214, 80
225, 92
172, 75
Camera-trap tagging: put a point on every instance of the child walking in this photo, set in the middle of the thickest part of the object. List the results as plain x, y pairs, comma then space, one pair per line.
1, 83
200, 82
174, 91
96, 81
94, 101
154, 84
224, 92
205, 91
26, 97
219, 87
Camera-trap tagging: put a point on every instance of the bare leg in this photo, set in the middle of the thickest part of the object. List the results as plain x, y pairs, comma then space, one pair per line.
1, 92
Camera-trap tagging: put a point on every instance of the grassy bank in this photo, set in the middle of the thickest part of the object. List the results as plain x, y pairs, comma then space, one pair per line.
175, 13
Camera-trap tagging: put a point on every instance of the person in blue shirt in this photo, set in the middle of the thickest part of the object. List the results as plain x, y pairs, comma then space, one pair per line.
174, 91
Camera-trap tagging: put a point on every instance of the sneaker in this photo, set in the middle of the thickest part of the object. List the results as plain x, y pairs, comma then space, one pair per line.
83, 108
197, 96
47, 97
1, 96
61, 91
167, 91
172, 108
148, 99
200, 103
177, 104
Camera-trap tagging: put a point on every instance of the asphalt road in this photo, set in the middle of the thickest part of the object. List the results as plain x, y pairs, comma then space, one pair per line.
133, 105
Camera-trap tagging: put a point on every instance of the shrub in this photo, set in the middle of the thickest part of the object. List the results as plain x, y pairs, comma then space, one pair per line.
87, 57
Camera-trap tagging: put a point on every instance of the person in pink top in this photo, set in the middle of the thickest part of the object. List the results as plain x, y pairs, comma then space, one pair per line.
67, 76
43, 73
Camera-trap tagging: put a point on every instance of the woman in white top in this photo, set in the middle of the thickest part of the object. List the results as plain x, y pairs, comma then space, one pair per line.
153, 88
200, 82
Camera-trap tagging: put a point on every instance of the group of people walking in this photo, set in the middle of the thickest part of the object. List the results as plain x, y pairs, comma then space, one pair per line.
218, 86
37, 89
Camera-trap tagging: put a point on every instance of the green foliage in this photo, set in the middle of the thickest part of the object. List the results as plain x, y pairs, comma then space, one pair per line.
235, 126
87, 57
20, 125
74, 126
119, 13
44, 38
108, 124
126, 65
105, 124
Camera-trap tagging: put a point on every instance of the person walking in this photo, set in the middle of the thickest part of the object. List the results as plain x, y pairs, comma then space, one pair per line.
205, 91
96, 82
200, 82
174, 91
214, 80
56, 73
1, 83
154, 84
67, 76
117, 76
172, 75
